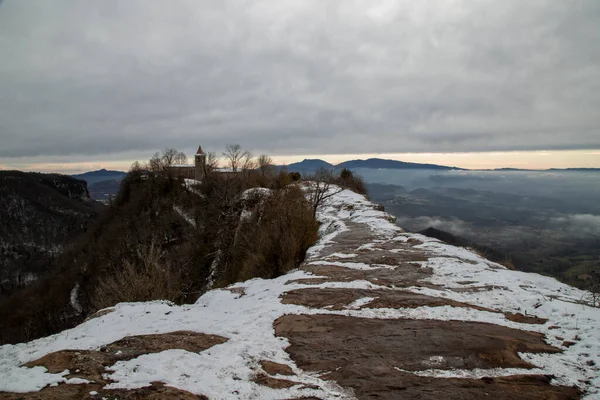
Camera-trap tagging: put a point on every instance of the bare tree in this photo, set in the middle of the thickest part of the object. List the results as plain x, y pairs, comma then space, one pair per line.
321, 188
168, 156
160, 161
156, 164
265, 164
135, 167
180, 158
247, 162
171, 156
235, 156
212, 161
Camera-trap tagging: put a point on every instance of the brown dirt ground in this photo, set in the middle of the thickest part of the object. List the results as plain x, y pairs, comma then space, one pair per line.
75, 392
525, 319
363, 354
274, 383
273, 368
339, 299
407, 274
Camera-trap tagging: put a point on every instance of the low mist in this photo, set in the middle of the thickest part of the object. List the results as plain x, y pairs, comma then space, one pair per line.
545, 221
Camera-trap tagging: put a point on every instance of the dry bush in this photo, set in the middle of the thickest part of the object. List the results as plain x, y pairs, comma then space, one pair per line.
508, 263
272, 238
321, 189
351, 181
321, 185
594, 289
146, 277
281, 180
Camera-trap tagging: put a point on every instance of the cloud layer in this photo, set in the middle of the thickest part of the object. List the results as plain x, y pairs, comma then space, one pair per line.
298, 77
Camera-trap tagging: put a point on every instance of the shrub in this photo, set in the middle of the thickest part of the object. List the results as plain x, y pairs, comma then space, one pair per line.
348, 180
148, 276
272, 238
281, 180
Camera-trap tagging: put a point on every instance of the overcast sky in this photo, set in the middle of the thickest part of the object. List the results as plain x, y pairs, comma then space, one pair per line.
117, 80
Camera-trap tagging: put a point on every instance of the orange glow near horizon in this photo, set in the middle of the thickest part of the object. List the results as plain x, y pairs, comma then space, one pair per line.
480, 160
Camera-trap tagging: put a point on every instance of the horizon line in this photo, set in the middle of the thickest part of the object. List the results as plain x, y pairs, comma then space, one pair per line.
538, 160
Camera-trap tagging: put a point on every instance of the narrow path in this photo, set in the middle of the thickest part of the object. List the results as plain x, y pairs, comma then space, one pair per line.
384, 356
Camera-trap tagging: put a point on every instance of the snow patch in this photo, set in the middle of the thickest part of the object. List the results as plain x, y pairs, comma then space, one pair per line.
185, 215
358, 303
77, 381
74, 298
476, 373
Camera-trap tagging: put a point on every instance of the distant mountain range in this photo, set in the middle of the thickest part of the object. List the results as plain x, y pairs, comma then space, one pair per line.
100, 175
374, 163
379, 163
311, 165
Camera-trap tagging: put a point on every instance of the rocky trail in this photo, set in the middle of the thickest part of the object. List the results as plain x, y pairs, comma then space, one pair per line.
373, 313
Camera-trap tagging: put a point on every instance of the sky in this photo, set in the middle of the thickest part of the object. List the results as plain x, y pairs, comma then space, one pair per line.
476, 84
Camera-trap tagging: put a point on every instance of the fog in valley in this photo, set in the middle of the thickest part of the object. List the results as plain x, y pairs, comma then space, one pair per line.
542, 221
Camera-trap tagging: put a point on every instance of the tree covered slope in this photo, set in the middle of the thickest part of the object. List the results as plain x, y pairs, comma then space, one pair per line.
40, 214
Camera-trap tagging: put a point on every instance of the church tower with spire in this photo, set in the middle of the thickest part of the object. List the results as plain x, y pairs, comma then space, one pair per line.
200, 163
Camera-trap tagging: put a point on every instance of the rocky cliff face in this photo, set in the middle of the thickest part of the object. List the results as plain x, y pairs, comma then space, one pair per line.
39, 215
373, 312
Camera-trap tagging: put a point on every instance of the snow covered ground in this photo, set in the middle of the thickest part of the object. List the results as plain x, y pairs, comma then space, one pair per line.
245, 316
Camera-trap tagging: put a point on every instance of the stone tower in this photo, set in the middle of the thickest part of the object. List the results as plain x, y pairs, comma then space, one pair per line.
200, 163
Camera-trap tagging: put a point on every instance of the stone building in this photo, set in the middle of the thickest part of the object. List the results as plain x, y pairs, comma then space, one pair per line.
195, 171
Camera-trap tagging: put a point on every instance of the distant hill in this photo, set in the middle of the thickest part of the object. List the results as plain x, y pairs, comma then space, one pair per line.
309, 165
100, 175
40, 214
379, 163
576, 169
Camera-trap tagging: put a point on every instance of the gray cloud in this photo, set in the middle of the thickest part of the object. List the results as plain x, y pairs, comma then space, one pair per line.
298, 77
